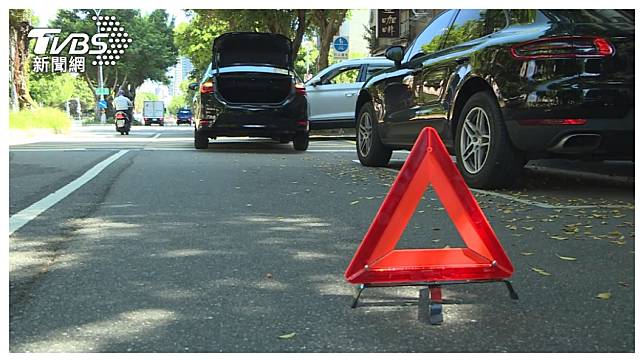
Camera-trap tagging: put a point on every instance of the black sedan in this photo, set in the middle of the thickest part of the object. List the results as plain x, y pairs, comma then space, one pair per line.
505, 86
251, 89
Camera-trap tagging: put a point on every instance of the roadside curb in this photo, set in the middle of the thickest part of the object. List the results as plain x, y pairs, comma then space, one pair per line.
19, 137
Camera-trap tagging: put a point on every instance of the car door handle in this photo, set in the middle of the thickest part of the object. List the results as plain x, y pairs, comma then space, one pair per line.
462, 60
350, 94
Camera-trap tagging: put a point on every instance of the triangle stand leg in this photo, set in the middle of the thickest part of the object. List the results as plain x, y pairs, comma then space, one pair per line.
513, 294
357, 291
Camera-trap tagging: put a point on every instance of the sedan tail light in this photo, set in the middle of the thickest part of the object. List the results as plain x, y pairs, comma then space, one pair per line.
300, 89
563, 47
207, 87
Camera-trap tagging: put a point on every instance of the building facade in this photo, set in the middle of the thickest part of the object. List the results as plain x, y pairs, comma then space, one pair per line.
410, 23
179, 73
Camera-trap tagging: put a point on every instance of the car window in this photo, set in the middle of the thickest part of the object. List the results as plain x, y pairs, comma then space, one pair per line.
371, 69
345, 76
430, 40
472, 24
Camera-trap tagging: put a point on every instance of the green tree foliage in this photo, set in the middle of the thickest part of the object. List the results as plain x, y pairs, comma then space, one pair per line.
194, 40
53, 90
150, 54
20, 22
142, 97
326, 24
303, 58
177, 102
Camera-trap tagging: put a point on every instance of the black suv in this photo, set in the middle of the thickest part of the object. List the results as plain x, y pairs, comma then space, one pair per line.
505, 86
251, 89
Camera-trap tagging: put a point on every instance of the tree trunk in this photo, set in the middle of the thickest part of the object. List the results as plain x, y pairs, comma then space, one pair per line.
19, 54
299, 32
328, 23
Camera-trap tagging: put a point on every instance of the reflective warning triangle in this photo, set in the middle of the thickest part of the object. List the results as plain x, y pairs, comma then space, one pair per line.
377, 261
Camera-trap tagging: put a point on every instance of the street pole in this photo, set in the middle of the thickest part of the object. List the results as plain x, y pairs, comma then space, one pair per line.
100, 73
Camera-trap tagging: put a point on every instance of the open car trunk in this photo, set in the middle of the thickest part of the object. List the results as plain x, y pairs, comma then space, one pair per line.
253, 87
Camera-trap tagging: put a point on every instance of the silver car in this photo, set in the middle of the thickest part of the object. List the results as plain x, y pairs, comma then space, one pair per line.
333, 92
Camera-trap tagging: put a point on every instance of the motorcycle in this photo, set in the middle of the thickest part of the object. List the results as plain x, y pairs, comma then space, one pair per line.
122, 122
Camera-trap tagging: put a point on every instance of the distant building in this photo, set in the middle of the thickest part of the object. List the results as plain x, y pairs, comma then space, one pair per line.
411, 22
179, 73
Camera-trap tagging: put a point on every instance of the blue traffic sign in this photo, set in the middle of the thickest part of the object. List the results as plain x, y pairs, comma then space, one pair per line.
341, 44
102, 104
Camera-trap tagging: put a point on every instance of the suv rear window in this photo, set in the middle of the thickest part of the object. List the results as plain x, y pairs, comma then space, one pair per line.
524, 16
472, 24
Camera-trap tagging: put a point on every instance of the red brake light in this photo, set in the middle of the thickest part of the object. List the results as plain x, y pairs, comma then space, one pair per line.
300, 89
553, 122
207, 87
119, 116
563, 47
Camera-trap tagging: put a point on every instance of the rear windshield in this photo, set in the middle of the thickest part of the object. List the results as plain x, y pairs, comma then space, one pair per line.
184, 112
593, 15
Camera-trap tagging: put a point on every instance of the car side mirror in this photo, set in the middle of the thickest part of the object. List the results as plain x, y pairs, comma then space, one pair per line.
193, 86
395, 53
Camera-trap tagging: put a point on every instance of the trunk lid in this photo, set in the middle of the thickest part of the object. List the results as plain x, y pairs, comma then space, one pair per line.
249, 48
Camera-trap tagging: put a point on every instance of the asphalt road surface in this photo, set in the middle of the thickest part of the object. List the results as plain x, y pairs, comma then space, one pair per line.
171, 249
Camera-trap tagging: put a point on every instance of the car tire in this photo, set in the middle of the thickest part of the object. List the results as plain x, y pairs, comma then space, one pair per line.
122, 133
201, 141
127, 133
301, 141
371, 150
496, 165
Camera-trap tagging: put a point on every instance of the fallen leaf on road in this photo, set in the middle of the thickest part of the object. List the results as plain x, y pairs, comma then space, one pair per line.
527, 253
568, 258
541, 271
269, 276
623, 284
529, 228
354, 202
287, 336
558, 237
603, 296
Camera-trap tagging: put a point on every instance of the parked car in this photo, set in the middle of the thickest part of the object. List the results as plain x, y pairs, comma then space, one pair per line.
153, 112
251, 89
505, 86
184, 115
333, 92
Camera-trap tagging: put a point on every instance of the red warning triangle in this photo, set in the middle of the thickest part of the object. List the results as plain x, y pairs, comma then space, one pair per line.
377, 261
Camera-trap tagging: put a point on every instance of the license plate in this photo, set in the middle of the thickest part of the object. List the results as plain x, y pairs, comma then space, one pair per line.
120, 123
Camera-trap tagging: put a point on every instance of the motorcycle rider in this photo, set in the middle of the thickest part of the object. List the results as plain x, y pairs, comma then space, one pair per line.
123, 103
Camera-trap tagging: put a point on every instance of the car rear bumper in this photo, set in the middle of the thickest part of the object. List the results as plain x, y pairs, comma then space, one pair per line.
256, 121
598, 137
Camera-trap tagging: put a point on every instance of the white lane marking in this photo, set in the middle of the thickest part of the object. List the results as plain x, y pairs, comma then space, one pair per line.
530, 202
21, 218
156, 136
